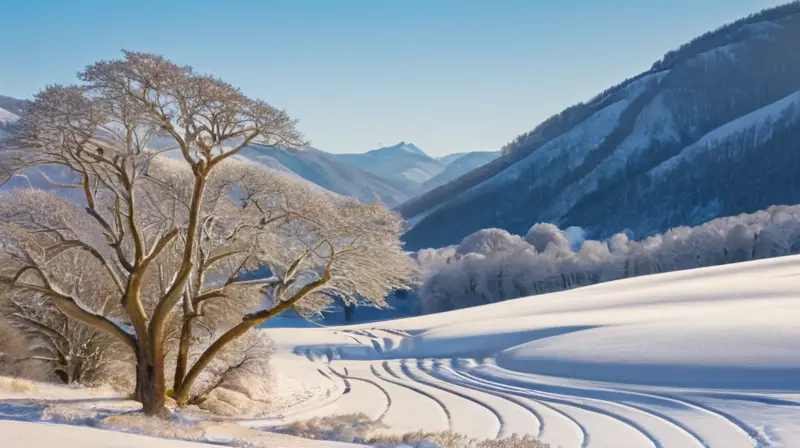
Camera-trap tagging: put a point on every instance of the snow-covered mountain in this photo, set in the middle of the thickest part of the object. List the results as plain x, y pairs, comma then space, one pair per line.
450, 158
712, 129
404, 163
458, 165
392, 174
12, 105
10, 108
329, 172
7, 117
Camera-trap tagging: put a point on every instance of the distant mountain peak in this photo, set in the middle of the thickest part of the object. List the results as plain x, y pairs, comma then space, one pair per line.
403, 146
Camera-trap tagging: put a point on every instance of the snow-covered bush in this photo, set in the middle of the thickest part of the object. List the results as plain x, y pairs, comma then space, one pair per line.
347, 428
492, 265
239, 381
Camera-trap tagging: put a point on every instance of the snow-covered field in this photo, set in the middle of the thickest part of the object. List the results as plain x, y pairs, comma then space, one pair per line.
701, 358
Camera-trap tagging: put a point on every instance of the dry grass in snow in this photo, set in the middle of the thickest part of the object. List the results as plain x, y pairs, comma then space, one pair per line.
17, 385
359, 428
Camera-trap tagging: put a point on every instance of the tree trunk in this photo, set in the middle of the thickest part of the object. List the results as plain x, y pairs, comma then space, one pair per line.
150, 384
248, 322
348, 312
183, 353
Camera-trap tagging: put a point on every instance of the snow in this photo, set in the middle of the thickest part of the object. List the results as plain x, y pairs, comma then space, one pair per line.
655, 123
577, 142
417, 175
28, 434
761, 121
7, 117
698, 358
124, 326
31, 434
725, 52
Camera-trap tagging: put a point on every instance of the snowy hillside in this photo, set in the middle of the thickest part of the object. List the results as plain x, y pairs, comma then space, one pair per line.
715, 107
458, 165
701, 358
327, 171
7, 117
13, 105
7, 105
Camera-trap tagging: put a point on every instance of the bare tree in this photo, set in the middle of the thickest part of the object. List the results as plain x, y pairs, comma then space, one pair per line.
173, 235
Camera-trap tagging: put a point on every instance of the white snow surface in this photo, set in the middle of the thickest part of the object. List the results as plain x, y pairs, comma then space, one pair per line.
701, 358
7, 117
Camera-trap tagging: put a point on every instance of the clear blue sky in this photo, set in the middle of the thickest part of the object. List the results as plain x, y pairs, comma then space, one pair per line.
447, 75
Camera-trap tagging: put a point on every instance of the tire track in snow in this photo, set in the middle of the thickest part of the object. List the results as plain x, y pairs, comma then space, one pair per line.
427, 414
435, 372
549, 424
398, 381
374, 383
501, 422
355, 398
754, 438
614, 398
467, 417
380, 343
581, 404
757, 437
480, 384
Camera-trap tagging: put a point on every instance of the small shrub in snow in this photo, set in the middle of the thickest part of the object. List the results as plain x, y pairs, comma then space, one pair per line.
239, 381
348, 428
243, 366
71, 415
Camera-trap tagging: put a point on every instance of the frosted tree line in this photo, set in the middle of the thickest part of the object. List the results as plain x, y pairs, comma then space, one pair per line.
493, 265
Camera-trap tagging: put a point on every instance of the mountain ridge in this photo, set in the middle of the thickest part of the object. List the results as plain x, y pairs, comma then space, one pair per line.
605, 148
324, 169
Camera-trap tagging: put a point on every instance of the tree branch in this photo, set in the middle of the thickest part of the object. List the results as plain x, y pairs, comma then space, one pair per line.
249, 321
53, 251
74, 309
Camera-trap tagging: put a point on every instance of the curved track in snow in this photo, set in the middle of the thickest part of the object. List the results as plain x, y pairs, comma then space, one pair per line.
581, 369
